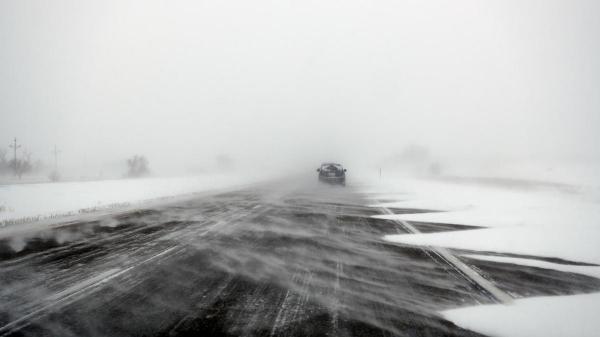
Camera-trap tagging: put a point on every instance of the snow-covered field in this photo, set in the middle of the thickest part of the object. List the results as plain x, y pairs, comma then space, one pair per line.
577, 173
39, 201
534, 219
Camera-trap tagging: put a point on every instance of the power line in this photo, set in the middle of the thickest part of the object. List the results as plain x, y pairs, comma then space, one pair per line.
15, 160
55, 152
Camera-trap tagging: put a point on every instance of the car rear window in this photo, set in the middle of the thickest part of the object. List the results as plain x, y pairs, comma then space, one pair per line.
331, 167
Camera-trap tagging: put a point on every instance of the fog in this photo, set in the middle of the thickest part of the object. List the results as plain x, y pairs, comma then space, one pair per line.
287, 85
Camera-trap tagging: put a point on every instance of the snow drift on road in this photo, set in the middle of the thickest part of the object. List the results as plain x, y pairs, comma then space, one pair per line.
540, 316
543, 222
567, 268
534, 219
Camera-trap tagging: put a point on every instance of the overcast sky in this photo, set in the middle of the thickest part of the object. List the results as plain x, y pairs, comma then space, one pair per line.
299, 81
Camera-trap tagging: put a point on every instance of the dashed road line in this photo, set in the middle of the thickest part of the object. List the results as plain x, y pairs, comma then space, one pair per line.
471, 275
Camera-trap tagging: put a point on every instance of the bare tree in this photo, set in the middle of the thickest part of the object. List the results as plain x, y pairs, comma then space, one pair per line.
138, 166
21, 165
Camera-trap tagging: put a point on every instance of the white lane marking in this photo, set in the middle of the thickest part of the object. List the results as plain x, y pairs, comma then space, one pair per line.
105, 277
71, 291
336, 298
281, 318
498, 294
159, 254
102, 278
257, 206
83, 284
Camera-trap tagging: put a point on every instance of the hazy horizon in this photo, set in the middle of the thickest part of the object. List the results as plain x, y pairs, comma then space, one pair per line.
293, 84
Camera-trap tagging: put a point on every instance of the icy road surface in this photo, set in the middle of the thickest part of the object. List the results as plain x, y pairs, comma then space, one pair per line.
281, 259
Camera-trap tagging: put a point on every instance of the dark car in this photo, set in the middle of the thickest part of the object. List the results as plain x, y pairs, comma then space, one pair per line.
332, 173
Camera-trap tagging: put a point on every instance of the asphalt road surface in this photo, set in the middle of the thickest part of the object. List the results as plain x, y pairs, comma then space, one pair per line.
290, 259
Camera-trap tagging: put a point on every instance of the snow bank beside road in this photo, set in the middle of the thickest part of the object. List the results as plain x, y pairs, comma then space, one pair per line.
30, 200
568, 243
541, 316
532, 222
583, 270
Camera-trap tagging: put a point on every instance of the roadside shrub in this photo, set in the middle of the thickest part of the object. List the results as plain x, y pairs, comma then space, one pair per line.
54, 176
137, 166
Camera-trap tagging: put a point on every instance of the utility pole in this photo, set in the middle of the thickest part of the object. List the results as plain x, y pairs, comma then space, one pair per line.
55, 152
380, 173
15, 147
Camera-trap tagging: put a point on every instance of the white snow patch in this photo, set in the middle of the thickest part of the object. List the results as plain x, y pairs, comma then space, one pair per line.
574, 244
583, 270
541, 316
550, 214
544, 223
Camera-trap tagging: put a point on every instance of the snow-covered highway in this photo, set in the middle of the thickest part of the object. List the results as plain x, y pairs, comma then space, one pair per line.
290, 258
